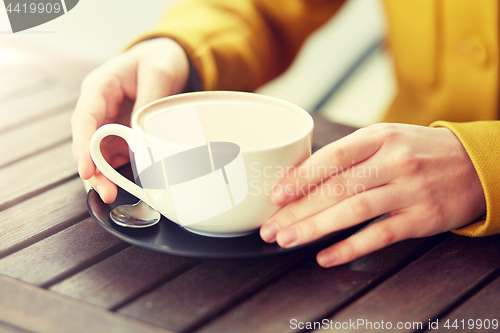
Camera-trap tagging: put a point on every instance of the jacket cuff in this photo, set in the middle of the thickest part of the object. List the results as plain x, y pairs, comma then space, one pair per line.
480, 140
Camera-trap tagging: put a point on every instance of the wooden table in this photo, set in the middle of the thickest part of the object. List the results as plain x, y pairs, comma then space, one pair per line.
61, 272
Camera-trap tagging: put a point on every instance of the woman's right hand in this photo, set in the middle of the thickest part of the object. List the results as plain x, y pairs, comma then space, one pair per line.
148, 71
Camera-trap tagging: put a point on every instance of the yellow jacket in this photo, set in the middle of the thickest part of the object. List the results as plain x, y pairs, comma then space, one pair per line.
445, 55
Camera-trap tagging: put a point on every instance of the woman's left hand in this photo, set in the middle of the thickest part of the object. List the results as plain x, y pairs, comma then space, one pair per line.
421, 176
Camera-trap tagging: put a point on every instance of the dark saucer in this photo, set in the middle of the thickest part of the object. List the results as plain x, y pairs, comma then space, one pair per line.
168, 237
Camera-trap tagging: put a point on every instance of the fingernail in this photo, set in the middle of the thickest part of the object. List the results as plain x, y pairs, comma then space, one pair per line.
288, 237
278, 195
100, 191
328, 259
268, 231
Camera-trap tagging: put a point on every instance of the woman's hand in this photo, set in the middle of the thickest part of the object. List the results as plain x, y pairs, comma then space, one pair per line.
422, 177
150, 70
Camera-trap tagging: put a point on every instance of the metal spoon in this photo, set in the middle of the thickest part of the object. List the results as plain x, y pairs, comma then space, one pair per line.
138, 215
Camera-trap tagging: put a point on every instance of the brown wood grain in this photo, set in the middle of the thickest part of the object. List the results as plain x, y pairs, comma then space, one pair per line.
484, 305
123, 277
47, 101
430, 285
312, 292
206, 290
42, 216
35, 173
61, 254
34, 309
34, 137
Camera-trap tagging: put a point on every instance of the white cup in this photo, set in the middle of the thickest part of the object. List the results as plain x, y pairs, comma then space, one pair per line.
208, 160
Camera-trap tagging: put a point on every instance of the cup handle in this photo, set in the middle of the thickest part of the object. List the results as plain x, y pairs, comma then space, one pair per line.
107, 170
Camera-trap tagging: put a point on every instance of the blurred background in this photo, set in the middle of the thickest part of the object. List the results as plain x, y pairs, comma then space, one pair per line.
343, 71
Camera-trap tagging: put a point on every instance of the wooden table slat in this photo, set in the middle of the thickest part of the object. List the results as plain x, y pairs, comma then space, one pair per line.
38, 59
67, 251
123, 277
101, 284
35, 309
484, 305
16, 84
312, 292
32, 175
204, 291
34, 137
430, 285
53, 99
42, 216
8, 328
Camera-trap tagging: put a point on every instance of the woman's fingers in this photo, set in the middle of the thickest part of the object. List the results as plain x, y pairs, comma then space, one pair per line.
357, 179
347, 213
83, 127
89, 114
326, 162
103, 99
148, 71
115, 152
429, 169
370, 239
104, 187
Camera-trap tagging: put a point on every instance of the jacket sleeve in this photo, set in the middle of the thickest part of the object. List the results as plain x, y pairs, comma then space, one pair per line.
241, 44
481, 140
